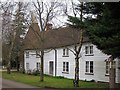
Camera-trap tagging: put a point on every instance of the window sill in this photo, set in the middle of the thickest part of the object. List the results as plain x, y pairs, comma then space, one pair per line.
65, 56
89, 54
89, 73
65, 72
107, 75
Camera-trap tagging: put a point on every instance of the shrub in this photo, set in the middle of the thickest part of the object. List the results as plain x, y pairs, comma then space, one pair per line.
29, 72
92, 80
46, 75
59, 77
36, 72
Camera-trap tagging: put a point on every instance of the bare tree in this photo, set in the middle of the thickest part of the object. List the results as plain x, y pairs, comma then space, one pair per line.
11, 28
76, 47
7, 28
45, 12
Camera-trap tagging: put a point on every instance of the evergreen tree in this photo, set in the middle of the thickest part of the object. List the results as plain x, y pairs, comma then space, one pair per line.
104, 31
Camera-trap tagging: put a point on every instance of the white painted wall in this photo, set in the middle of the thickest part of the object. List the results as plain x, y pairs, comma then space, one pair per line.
32, 60
98, 61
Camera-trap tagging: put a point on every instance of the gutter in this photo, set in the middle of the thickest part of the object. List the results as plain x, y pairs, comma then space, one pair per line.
55, 62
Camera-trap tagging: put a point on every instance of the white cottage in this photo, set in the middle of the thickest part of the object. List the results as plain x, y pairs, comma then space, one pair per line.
60, 61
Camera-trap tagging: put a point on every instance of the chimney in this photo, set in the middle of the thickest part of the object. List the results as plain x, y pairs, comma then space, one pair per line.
48, 26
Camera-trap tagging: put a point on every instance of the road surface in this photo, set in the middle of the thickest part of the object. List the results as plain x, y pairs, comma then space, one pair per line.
12, 84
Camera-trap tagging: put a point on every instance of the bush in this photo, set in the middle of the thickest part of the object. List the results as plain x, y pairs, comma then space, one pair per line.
36, 72
59, 77
23, 71
29, 72
46, 75
92, 80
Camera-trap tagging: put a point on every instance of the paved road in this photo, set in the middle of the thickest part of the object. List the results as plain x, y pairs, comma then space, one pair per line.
12, 84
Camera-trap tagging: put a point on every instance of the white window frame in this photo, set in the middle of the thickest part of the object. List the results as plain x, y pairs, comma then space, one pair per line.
65, 52
27, 66
109, 65
88, 67
38, 65
65, 66
37, 54
89, 50
27, 54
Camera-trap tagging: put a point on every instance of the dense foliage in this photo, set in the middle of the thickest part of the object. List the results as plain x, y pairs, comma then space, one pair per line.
102, 25
104, 30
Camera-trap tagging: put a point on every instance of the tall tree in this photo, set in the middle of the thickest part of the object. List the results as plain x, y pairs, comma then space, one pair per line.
12, 27
77, 23
104, 31
20, 27
45, 11
7, 28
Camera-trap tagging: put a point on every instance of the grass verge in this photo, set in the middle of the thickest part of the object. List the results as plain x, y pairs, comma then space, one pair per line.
50, 81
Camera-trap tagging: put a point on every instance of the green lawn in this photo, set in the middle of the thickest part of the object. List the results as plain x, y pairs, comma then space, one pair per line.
50, 81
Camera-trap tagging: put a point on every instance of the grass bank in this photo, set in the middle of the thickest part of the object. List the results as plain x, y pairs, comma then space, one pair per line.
50, 81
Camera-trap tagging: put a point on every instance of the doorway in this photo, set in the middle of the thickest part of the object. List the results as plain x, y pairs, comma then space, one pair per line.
51, 67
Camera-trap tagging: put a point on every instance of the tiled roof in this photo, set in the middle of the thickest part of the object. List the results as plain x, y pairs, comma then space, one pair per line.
54, 38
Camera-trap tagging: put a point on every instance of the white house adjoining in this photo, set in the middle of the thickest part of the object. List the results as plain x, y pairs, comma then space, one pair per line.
60, 61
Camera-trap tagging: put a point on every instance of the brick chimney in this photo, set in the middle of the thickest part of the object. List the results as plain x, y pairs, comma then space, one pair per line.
48, 26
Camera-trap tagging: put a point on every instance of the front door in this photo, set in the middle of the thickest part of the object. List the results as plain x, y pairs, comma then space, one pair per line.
51, 67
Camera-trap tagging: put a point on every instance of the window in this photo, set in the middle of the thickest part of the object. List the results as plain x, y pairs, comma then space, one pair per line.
65, 52
88, 49
27, 54
27, 66
38, 66
65, 66
113, 64
89, 66
107, 67
37, 54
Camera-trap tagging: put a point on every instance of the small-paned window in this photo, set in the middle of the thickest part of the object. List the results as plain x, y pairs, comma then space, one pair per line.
38, 65
27, 54
27, 66
37, 54
65, 52
65, 66
108, 65
88, 49
89, 66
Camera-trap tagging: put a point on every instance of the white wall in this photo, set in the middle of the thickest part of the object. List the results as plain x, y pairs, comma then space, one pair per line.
98, 61
61, 59
32, 60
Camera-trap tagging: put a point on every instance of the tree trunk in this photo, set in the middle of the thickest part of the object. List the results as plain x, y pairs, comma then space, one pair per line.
76, 81
41, 71
9, 59
8, 67
112, 78
17, 63
22, 58
10, 53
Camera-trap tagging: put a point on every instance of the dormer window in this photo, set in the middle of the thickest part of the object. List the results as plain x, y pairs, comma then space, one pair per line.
27, 54
89, 50
37, 54
65, 52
